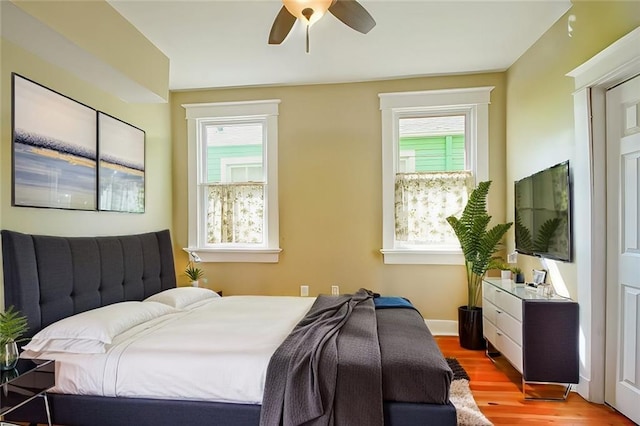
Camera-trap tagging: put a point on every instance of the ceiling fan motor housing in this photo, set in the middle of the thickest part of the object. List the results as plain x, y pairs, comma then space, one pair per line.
301, 8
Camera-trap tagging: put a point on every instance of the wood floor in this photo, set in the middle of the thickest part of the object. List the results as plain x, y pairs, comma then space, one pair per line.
497, 390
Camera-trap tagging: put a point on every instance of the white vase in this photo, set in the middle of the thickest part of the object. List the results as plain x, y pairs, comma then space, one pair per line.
505, 275
195, 283
8, 356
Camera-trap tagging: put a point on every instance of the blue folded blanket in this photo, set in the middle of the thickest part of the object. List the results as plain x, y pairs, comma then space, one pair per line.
384, 302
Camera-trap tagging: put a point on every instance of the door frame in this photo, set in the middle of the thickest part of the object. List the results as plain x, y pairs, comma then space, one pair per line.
615, 64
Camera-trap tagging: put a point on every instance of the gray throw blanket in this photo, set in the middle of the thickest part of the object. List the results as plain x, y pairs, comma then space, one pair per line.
328, 370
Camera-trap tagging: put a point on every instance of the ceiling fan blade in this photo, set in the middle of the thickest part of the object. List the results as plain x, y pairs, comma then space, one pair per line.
353, 15
281, 26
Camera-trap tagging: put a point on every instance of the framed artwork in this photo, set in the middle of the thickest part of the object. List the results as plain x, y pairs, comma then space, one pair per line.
539, 276
121, 165
54, 149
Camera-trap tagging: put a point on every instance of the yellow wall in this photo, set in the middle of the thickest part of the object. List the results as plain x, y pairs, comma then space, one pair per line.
540, 122
153, 118
98, 28
330, 192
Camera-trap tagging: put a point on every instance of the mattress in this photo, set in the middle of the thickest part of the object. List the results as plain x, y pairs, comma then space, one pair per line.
217, 350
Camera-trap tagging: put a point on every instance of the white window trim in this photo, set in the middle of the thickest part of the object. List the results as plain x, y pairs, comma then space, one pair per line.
264, 109
392, 105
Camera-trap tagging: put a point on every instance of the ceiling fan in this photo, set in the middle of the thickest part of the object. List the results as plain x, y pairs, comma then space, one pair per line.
350, 12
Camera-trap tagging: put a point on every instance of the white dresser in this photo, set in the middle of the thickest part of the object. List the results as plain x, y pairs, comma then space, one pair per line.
537, 334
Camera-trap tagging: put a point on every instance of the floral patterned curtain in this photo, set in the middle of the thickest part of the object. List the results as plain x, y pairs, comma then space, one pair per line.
423, 201
235, 213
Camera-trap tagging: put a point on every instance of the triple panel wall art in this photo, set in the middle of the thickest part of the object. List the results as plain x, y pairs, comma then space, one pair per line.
67, 155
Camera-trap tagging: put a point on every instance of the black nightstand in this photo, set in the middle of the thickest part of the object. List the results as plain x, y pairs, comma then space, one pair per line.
30, 379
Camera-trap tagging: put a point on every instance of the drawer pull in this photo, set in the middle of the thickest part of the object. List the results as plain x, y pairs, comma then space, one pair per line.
498, 311
498, 333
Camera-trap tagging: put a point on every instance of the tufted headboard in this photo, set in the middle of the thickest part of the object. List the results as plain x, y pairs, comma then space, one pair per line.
49, 278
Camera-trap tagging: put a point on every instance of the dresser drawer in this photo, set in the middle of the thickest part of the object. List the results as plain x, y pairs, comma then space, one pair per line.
510, 349
489, 331
489, 292
489, 311
509, 303
510, 326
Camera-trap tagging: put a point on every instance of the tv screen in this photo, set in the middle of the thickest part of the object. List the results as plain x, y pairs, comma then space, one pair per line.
543, 213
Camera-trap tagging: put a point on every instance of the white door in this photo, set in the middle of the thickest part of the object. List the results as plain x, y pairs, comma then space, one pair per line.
622, 379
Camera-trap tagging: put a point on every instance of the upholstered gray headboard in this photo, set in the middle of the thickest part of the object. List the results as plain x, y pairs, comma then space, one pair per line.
49, 278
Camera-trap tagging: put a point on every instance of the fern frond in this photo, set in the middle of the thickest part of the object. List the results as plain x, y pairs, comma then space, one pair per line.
477, 203
12, 325
545, 234
489, 244
523, 234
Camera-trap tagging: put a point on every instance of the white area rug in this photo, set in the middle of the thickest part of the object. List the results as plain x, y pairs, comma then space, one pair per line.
467, 410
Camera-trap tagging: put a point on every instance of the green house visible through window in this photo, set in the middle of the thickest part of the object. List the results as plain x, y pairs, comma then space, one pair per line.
235, 181
234, 153
432, 144
431, 179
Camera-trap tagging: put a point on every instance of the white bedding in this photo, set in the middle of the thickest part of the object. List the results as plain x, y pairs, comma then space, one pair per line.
217, 350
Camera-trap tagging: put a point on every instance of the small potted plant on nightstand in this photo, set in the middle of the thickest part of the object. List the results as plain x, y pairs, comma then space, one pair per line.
12, 326
193, 273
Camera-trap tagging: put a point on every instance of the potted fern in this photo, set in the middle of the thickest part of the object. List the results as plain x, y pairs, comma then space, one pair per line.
479, 244
12, 326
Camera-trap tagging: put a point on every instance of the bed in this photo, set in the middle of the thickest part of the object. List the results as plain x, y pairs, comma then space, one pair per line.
51, 279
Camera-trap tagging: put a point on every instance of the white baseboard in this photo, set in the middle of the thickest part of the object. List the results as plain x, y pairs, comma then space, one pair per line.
442, 327
585, 390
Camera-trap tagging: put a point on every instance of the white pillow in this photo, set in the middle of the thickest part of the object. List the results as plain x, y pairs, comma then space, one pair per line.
76, 346
181, 297
89, 331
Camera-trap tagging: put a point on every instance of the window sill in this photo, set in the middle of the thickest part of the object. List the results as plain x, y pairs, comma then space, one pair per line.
237, 255
422, 257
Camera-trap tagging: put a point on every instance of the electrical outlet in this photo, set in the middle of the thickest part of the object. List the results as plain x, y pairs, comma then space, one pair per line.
304, 290
335, 290
512, 257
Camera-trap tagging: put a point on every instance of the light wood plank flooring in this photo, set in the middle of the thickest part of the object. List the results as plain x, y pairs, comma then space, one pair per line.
497, 390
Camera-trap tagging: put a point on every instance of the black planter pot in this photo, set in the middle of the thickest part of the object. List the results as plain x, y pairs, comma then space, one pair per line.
470, 328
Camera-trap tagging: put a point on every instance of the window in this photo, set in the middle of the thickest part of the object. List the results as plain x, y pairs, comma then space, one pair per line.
435, 148
233, 181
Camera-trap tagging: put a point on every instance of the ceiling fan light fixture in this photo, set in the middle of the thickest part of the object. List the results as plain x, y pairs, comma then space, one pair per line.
296, 8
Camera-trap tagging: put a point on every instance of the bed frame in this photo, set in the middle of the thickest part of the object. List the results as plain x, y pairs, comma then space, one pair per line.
49, 278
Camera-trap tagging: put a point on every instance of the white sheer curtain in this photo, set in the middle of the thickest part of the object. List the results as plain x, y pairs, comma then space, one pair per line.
235, 213
423, 201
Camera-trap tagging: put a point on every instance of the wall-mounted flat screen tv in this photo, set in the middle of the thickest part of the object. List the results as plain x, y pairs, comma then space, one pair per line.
543, 213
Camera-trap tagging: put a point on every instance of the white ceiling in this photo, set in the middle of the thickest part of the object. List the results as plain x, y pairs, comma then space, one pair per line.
224, 43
